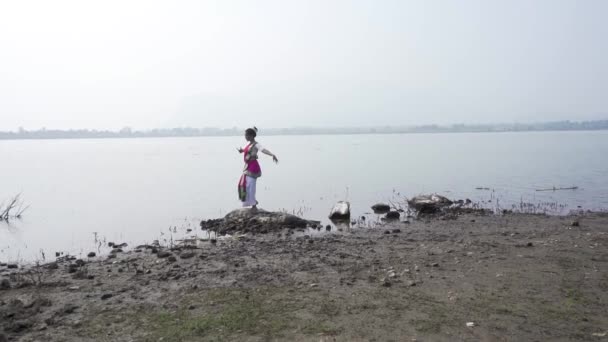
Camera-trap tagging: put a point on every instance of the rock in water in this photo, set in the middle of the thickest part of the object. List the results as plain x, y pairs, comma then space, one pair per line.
381, 208
429, 204
340, 211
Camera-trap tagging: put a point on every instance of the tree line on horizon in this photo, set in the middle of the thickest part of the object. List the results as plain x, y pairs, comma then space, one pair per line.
128, 132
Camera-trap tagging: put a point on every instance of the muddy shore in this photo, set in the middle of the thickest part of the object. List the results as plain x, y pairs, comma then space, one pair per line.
512, 277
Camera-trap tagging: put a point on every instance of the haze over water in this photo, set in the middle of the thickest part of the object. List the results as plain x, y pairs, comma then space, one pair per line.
133, 190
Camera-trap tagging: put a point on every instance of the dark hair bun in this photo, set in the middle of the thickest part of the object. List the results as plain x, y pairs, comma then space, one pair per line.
255, 129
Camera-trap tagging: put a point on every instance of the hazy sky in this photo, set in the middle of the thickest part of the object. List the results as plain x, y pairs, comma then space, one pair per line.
108, 64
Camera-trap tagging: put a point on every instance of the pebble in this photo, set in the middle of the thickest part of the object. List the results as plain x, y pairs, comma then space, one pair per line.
575, 224
411, 283
106, 296
470, 324
396, 231
163, 254
187, 255
91, 255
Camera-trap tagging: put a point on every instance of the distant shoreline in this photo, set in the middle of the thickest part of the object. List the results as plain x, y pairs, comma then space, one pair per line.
128, 132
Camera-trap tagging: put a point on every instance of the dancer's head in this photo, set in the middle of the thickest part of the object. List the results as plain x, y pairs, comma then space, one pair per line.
251, 133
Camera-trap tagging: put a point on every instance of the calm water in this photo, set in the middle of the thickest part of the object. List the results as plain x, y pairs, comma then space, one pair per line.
133, 190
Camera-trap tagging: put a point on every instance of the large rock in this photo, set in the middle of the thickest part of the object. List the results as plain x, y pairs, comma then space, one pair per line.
340, 211
429, 204
251, 220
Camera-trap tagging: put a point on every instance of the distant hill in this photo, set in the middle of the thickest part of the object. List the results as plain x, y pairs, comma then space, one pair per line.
202, 132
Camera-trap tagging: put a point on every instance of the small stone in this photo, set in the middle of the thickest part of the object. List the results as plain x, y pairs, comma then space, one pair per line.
13, 266
163, 254
5, 284
393, 215
328, 227
575, 224
148, 271
106, 296
191, 307
139, 271
187, 255
120, 270
396, 231
530, 244
91, 255
69, 308
411, 283
387, 232
172, 258
470, 324
213, 241
386, 282
435, 264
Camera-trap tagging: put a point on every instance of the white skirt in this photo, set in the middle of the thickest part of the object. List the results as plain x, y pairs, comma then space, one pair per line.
250, 200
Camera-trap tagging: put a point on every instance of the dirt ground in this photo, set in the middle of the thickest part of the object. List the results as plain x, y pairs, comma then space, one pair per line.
507, 277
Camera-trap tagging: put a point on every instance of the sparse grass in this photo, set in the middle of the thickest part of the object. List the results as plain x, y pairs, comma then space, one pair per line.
220, 314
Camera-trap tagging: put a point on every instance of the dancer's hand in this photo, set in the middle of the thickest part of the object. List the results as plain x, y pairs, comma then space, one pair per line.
275, 159
240, 149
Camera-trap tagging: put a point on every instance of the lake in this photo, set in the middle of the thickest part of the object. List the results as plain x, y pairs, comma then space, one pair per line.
135, 190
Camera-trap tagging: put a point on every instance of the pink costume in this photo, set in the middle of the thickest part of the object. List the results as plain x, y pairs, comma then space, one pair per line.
252, 171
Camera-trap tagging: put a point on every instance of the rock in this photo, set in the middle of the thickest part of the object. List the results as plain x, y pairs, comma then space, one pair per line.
70, 308
387, 232
393, 215
5, 284
12, 266
396, 231
429, 204
530, 244
163, 254
381, 208
20, 326
435, 264
340, 211
106, 296
411, 283
247, 220
575, 224
91, 255
111, 256
172, 258
328, 227
187, 255
386, 282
